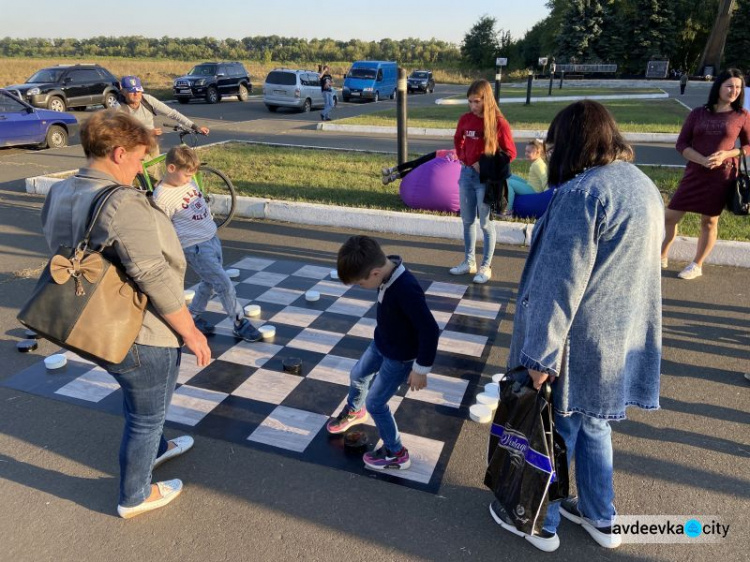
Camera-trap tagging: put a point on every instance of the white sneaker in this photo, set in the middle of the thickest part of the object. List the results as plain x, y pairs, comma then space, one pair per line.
484, 275
387, 171
692, 271
545, 541
169, 490
463, 268
664, 263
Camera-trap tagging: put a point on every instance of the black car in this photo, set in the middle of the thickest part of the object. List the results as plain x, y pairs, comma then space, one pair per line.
420, 81
68, 87
212, 81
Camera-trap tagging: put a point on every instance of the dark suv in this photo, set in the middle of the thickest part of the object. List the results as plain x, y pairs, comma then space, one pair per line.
212, 81
68, 86
420, 81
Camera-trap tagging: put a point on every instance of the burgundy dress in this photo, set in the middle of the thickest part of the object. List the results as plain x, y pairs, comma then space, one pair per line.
702, 190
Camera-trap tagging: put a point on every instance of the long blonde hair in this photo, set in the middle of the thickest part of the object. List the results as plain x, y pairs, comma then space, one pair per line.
491, 115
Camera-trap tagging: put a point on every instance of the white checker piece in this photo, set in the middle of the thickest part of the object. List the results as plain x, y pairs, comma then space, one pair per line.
191, 404
480, 309
295, 316
254, 354
268, 386
450, 290
92, 386
254, 264
464, 344
333, 369
289, 428
265, 278
316, 340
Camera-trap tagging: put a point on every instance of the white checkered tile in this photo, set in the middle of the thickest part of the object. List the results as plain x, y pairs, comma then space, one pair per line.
254, 354
296, 316
464, 344
450, 290
191, 404
364, 328
268, 386
255, 264
288, 428
313, 272
480, 309
441, 390
92, 386
316, 340
265, 278
279, 295
333, 369
351, 307
332, 288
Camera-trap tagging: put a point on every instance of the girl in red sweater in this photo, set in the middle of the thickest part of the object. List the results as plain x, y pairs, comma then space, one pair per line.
483, 130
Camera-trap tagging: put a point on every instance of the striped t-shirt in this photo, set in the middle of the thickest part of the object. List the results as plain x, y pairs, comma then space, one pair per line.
188, 210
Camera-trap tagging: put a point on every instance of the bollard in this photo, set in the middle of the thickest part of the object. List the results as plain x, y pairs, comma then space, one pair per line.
551, 75
401, 116
528, 88
562, 77
498, 81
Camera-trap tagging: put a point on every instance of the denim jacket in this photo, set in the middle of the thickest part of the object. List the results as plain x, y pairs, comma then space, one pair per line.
589, 300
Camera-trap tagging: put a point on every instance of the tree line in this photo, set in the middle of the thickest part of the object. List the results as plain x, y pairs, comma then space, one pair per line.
261, 48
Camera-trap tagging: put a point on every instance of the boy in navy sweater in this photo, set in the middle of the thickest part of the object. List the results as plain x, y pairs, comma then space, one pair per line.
403, 351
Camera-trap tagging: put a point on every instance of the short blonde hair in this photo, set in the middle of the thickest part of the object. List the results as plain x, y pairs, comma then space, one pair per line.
183, 158
106, 130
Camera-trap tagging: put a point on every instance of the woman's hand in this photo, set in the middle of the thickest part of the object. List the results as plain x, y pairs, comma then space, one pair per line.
197, 343
539, 378
475, 165
716, 159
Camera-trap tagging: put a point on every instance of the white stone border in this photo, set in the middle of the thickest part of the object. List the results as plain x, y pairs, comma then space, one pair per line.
544, 99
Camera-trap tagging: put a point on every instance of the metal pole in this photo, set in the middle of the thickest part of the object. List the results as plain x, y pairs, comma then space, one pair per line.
498, 79
562, 78
551, 76
401, 118
528, 87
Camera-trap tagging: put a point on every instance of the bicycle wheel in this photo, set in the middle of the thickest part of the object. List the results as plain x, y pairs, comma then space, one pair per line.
219, 194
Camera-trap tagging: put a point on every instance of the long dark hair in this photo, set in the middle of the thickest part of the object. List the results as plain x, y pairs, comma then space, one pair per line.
583, 135
713, 95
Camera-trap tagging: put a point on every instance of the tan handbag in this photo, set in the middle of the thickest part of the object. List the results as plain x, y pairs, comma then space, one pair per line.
85, 303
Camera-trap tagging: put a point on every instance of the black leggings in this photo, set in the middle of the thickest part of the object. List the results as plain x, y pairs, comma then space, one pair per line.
407, 167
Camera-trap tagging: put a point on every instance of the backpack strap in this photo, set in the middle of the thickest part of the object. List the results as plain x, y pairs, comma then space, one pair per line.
147, 105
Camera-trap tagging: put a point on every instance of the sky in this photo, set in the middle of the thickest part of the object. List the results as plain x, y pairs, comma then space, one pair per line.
367, 21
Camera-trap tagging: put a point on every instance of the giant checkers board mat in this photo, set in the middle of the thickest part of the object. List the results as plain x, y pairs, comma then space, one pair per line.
244, 396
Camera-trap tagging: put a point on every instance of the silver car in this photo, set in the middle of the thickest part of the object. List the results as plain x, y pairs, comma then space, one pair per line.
299, 89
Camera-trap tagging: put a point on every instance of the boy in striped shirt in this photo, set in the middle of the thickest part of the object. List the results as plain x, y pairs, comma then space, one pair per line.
180, 198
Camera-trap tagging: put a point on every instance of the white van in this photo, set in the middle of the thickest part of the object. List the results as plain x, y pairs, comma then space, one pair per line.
298, 89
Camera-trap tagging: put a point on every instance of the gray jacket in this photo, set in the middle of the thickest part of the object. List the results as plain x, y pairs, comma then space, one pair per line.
134, 232
146, 117
589, 300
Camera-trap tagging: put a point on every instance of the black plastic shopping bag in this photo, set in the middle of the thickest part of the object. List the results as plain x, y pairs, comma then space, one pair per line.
526, 459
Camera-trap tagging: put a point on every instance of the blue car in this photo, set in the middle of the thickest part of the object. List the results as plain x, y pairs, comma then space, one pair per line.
23, 124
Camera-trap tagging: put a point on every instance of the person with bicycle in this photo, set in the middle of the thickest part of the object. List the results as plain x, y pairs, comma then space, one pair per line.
180, 198
145, 107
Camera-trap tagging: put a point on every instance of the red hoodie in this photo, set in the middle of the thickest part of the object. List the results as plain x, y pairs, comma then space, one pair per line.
469, 138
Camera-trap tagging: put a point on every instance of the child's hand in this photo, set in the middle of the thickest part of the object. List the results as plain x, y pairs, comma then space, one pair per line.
416, 381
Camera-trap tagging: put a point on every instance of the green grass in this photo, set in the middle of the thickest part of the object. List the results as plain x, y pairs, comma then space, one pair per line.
541, 91
635, 116
352, 179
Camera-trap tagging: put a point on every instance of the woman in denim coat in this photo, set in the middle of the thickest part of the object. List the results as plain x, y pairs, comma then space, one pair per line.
589, 306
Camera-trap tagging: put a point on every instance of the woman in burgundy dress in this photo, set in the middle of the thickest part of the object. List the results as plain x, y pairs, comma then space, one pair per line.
707, 140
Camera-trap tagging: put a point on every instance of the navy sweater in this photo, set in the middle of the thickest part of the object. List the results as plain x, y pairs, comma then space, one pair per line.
406, 329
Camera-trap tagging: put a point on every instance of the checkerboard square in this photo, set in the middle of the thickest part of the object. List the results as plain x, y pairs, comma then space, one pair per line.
254, 264
424, 454
226, 326
333, 288
330, 322
267, 386
333, 369
296, 316
221, 376
351, 307
313, 272
316, 340
393, 404
364, 328
190, 404
441, 317
450, 290
92, 386
251, 354
189, 368
278, 295
289, 428
441, 391
481, 309
265, 279
215, 305
464, 344
250, 291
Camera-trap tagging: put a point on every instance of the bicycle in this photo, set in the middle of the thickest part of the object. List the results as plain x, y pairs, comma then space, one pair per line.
218, 190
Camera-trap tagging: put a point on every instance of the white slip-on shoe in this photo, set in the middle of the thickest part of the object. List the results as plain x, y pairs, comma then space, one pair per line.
483, 275
692, 271
182, 445
169, 490
546, 542
664, 263
463, 268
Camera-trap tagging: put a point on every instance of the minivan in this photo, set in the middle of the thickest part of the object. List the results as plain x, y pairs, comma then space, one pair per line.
298, 89
371, 79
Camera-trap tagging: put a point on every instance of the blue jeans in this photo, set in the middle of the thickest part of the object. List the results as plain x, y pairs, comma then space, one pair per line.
147, 377
328, 103
471, 192
589, 440
207, 261
391, 374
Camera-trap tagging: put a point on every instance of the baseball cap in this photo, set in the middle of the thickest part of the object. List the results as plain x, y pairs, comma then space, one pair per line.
131, 84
